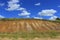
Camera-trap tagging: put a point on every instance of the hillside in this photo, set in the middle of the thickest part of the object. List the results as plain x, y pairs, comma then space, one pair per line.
28, 25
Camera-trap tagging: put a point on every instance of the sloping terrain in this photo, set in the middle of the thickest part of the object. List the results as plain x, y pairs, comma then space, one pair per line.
28, 25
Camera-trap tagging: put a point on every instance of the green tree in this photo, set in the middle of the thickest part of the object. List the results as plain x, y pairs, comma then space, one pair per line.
57, 18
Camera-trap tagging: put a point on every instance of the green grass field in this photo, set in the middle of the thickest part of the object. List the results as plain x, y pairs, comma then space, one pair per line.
33, 34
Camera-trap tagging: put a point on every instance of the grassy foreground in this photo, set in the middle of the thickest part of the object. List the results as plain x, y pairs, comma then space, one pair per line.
33, 34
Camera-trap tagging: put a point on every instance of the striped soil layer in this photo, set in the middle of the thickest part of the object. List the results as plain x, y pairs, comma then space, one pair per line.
28, 25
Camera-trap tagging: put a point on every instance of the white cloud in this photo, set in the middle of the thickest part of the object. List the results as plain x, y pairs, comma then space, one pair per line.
53, 18
12, 5
24, 13
37, 4
2, 16
14, 1
38, 18
47, 12
21, 8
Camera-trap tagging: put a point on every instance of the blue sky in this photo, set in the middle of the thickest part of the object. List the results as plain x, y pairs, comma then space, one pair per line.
38, 9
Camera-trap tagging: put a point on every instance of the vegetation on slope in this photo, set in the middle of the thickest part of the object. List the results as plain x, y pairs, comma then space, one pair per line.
32, 34
15, 19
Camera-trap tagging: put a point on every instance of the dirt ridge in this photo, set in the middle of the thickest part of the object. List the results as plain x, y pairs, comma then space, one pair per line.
28, 25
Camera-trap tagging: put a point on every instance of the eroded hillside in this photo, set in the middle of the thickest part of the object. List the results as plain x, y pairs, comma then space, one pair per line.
28, 25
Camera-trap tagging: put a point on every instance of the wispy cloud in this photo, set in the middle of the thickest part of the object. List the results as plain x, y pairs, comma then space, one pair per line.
28, 16
38, 18
24, 13
2, 16
1, 4
59, 6
37, 4
47, 12
53, 18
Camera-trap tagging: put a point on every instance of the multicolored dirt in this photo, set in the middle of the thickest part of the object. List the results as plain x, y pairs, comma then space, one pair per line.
28, 25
